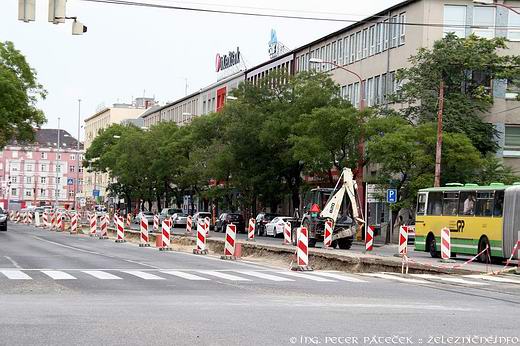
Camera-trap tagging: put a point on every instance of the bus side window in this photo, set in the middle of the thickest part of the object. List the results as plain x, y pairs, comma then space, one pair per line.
467, 202
499, 203
450, 203
435, 203
484, 204
421, 204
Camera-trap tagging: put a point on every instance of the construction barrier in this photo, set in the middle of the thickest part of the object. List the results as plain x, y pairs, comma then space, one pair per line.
201, 239
445, 244
327, 241
403, 240
29, 218
207, 223
165, 236
144, 233
302, 252
45, 219
93, 225
287, 233
59, 222
251, 230
104, 226
120, 230
74, 224
128, 220
189, 223
37, 219
156, 223
229, 246
369, 238
53, 220
115, 220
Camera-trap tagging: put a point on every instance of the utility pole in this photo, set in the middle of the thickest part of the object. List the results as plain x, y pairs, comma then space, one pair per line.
57, 167
76, 189
438, 149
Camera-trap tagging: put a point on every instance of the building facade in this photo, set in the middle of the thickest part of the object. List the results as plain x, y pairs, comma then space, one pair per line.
95, 183
34, 174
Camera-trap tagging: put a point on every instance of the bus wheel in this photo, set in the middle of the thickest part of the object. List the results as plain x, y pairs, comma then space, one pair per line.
431, 245
485, 256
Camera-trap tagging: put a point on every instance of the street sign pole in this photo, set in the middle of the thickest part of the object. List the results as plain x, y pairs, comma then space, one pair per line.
391, 198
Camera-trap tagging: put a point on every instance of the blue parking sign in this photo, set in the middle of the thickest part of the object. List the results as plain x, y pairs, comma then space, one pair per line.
391, 195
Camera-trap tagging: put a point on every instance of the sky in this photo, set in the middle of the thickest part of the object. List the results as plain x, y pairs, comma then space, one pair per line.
129, 52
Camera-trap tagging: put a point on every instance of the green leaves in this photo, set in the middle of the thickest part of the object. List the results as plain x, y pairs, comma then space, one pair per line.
19, 92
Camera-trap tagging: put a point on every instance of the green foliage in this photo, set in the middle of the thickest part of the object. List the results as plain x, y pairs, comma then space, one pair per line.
19, 92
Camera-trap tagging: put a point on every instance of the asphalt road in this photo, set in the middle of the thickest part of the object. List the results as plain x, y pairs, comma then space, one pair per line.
58, 289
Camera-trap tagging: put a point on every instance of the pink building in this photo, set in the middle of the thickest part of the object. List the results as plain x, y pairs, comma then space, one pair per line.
29, 172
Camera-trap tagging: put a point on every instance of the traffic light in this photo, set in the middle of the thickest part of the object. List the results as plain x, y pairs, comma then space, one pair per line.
57, 11
78, 28
26, 10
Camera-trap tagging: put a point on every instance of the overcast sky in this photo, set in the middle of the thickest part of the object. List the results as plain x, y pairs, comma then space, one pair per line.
129, 52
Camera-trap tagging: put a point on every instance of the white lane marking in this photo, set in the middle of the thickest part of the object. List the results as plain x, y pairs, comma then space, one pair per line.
13, 262
339, 277
263, 275
183, 275
448, 279
143, 275
306, 276
493, 278
223, 275
396, 278
101, 275
15, 275
58, 275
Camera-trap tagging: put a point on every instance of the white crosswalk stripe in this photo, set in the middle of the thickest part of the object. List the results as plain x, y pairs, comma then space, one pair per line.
449, 279
223, 275
184, 275
99, 274
58, 275
339, 277
306, 276
396, 278
143, 275
15, 274
263, 275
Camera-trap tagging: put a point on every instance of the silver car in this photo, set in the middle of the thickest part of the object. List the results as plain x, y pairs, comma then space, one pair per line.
144, 214
179, 219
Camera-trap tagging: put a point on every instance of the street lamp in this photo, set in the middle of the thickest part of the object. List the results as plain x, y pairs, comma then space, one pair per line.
57, 168
493, 3
76, 188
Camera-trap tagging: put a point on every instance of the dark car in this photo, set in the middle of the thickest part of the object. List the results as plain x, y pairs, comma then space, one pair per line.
3, 220
261, 220
226, 218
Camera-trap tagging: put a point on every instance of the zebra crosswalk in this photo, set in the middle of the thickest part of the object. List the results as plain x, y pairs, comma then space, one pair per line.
253, 276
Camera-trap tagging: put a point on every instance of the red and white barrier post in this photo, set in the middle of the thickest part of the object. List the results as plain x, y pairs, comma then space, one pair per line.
446, 245
17, 217
251, 230
120, 230
327, 241
302, 252
104, 226
155, 223
29, 218
287, 233
229, 246
144, 233
165, 235
116, 220
93, 225
403, 241
201, 239
128, 219
189, 224
45, 219
207, 223
369, 238
59, 222
74, 224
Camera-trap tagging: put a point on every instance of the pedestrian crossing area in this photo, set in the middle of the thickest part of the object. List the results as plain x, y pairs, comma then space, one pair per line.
254, 276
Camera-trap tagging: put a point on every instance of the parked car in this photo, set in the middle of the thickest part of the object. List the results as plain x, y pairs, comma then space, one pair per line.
3, 220
168, 212
275, 226
179, 220
227, 218
144, 214
261, 220
199, 216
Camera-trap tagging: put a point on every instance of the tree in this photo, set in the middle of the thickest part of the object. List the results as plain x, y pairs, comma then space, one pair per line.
467, 66
19, 92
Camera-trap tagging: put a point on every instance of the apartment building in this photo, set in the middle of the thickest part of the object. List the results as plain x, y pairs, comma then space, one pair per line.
34, 174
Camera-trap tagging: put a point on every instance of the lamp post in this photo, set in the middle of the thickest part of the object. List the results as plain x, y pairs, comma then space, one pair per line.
56, 192
361, 144
76, 187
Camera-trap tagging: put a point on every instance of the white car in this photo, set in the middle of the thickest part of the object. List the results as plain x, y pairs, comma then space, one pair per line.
275, 226
147, 215
179, 220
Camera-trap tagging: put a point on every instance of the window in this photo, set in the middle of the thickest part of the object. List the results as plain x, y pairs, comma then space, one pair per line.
340, 52
455, 20
13, 192
350, 93
498, 203
334, 53
28, 180
421, 204
59, 156
359, 46
71, 193
377, 90
386, 33
355, 97
344, 92
80, 181
484, 203
435, 203
514, 22
379, 41
322, 56
43, 180
43, 168
72, 156
28, 193
58, 168
402, 28
353, 47
365, 43
370, 92
14, 179
394, 30
383, 87
346, 47
484, 16
72, 168
327, 57
42, 192
467, 203
450, 203
372, 34
58, 180
512, 137
29, 167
